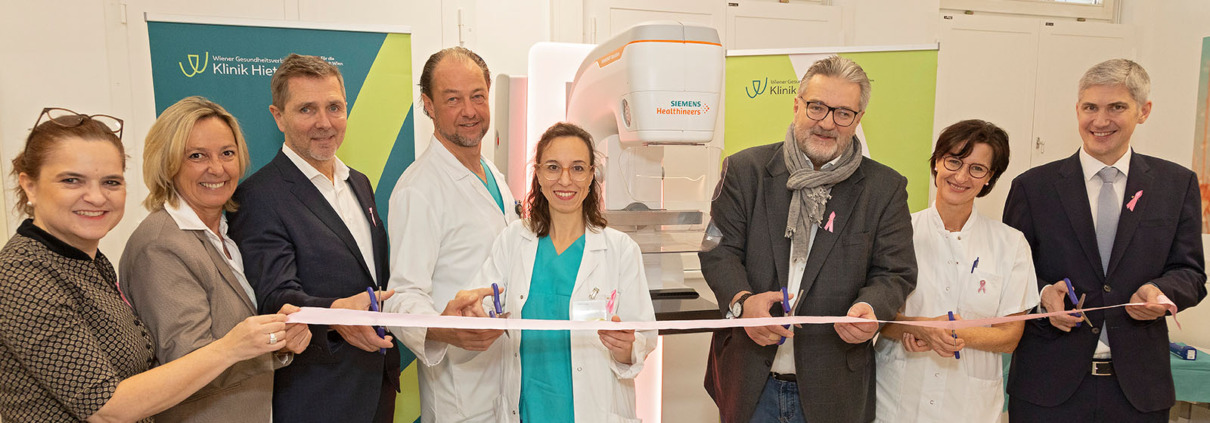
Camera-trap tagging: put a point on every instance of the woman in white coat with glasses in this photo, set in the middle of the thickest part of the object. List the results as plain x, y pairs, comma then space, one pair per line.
562, 263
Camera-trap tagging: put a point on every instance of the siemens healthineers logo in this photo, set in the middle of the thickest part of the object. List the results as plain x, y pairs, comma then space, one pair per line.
682, 107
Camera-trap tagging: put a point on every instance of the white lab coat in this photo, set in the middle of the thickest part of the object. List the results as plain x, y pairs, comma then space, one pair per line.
603, 389
925, 387
442, 222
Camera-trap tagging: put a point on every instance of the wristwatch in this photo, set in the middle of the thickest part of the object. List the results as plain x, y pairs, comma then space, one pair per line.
737, 307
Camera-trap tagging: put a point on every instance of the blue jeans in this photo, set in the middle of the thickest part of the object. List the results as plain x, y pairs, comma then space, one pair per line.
778, 403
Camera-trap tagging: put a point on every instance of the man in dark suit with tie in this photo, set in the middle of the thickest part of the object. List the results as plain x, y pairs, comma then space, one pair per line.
310, 236
1123, 228
811, 215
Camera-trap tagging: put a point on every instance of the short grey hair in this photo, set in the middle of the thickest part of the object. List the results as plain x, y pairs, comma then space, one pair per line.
839, 67
1122, 72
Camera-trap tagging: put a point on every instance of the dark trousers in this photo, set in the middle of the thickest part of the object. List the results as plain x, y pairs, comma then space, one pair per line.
1098, 399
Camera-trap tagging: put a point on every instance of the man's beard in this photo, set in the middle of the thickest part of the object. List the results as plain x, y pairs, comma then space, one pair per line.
803, 137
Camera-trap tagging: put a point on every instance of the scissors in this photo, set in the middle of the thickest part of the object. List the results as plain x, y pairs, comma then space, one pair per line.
374, 306
1079, 303
496, 301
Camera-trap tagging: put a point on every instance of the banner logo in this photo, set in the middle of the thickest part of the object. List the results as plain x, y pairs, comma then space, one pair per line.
775, 87
193, 65
758, 87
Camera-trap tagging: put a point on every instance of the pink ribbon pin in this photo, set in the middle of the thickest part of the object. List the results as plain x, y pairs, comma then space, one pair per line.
983, 286
1134, 200
831, 220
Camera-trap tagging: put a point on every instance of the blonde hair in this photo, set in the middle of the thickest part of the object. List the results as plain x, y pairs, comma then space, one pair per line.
164, 150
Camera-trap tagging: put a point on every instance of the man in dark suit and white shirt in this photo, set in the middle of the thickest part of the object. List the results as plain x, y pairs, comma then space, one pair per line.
310, 236
812, 215
1123, 228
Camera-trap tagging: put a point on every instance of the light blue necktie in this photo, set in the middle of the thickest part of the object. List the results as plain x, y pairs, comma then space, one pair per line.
1108, 212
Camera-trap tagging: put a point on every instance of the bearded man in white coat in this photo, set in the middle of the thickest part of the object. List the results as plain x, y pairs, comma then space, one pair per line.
445, 211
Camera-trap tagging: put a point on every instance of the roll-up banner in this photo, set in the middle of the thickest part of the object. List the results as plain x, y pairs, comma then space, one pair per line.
230, 61
897, 129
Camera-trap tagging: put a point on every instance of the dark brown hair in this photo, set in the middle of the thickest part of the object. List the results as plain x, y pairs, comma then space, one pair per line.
966, 134
297, 65
44, 138
537, 208
461, 53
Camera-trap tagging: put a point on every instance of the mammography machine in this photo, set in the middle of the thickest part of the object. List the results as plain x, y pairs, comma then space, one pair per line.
650, 97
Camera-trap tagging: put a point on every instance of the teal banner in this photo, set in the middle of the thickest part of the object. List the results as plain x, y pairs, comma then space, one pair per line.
232, 64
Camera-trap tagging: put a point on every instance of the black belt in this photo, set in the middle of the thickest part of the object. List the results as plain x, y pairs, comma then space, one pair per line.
1102, 368
784, 377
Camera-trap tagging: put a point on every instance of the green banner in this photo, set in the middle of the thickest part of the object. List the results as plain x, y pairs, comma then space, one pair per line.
898, 125
232, 65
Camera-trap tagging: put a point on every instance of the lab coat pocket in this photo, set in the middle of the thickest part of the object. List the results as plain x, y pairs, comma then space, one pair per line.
982, 366
477, 375
980, 296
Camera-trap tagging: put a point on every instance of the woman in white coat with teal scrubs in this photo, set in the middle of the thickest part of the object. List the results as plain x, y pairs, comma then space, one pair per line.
971, 266
558, 262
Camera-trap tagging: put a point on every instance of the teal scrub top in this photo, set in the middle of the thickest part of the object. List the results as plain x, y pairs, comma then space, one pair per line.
491, 186
546, 393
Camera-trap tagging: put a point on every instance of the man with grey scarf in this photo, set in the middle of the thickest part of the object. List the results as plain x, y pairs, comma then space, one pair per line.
812, 216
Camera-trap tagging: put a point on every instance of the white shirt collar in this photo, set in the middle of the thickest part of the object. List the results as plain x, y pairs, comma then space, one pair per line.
340, 172
935, 217
187, 219
1091, 165
455, 168
826, 166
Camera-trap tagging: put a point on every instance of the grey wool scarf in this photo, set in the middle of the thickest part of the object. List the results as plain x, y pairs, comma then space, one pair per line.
812, 189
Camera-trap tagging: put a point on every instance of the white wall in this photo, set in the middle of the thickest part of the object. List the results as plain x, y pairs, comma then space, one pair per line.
1171, 49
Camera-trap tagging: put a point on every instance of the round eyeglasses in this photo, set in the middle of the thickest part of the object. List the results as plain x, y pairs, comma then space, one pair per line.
553, 171
954, 164
841, 116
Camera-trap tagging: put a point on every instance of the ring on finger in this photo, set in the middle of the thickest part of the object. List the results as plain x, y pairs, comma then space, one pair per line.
272, 338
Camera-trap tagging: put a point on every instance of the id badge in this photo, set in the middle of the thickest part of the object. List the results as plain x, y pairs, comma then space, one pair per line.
589, 310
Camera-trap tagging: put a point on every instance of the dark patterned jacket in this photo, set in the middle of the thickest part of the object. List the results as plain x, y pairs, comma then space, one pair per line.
66, 336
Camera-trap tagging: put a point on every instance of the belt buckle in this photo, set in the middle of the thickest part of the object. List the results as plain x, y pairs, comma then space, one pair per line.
1102, 368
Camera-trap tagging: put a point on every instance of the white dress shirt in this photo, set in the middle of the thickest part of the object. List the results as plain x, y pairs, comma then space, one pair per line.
442, 222
342, 199
925, 387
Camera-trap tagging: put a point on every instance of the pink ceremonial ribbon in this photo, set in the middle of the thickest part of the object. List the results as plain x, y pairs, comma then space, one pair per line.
831, 219
1134, 200
332, 316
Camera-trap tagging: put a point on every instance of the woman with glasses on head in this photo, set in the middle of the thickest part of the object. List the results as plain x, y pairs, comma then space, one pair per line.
970, 267
562, 263
181, 272
71, 348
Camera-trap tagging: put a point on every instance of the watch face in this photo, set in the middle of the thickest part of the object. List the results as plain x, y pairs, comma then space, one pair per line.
737, 308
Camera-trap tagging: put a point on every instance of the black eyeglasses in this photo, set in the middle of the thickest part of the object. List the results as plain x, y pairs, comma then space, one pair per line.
954, 164
70, 119
841, 116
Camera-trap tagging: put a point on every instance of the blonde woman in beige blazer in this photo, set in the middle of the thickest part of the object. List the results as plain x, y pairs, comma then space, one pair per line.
184, 276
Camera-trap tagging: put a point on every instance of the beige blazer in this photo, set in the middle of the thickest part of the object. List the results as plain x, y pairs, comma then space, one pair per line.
187, 295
